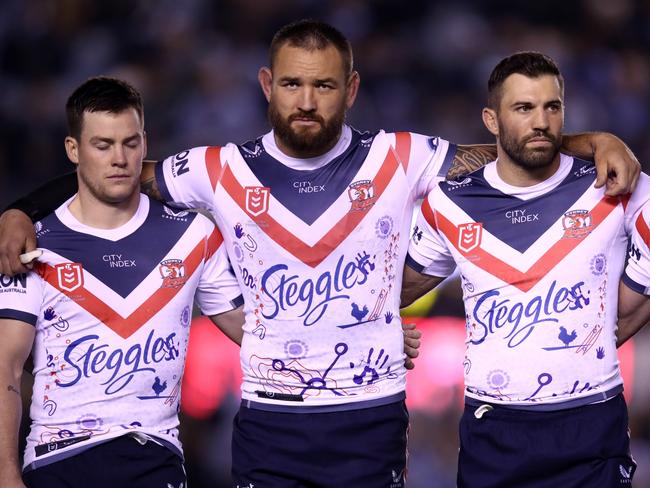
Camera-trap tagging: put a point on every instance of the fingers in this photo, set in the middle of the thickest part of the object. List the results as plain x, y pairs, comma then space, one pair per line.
601, 173
16, 236
623, 173
10, 263
409, 364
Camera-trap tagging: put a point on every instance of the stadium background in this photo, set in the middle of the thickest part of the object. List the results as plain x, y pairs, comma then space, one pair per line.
423, 66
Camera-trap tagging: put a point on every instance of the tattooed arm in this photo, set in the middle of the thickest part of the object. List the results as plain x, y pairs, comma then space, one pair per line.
148, 184
15, 347
471, 158
616, 165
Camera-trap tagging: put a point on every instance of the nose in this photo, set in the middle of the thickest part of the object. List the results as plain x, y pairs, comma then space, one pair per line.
540, 120
307, 100
119, 156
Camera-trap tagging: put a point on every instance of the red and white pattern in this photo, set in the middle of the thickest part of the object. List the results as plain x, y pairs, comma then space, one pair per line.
107, 364
541, 321
321, 298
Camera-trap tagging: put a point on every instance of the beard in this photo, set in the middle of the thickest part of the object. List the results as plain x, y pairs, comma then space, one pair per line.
526, 158
303, 141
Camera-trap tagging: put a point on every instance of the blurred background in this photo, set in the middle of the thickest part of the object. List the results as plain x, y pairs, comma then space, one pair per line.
424, 67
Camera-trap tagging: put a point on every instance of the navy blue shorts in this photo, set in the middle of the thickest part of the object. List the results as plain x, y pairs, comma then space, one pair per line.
582, 447
364, 448
122, 462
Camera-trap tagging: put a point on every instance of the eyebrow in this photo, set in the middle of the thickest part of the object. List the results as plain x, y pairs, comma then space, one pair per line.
294, 79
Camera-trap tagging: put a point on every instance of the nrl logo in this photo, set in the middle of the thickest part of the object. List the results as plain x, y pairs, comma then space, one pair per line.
469, 236
172, 272
362, 194
257, 200
577, 224
69, 276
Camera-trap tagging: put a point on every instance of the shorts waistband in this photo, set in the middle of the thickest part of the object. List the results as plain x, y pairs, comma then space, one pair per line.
377, 402
551, 407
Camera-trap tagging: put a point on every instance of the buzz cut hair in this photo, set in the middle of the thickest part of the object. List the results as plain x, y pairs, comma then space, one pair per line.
312, 35
528, 63
101, 94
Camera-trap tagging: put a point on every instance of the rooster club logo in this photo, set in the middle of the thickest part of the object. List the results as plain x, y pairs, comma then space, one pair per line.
362, 194
69, 276
577, 224
173, 273
469, 236
257, 200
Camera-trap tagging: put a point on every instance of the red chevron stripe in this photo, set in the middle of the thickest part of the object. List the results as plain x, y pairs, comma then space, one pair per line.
528, 279
314, 255
214, 241
642, 229
124, 326
213, 165
403, 148
428, 214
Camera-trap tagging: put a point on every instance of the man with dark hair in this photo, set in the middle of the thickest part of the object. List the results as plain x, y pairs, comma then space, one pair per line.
105, 317
315, 215
540, 253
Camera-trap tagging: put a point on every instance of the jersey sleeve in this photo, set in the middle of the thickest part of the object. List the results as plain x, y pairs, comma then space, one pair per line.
21, 297
637, 270
218, 290
188, 179
429, 160
428, 252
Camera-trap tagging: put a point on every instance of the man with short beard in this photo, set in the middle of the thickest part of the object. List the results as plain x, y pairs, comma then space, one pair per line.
315, 217
540, 252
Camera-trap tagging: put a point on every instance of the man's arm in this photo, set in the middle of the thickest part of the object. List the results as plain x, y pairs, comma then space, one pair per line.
15, 346
616, 165
416, 284
633, 313
148, 184
231, 323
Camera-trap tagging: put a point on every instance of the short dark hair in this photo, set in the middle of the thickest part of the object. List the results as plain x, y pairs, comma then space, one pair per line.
528, 63
100, 94
312, 35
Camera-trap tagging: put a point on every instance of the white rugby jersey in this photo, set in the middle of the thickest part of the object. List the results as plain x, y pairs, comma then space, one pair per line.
112, 311
318, 247
637, 271
540, 268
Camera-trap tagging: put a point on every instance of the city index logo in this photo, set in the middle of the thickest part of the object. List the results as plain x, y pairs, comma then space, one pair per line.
69, 276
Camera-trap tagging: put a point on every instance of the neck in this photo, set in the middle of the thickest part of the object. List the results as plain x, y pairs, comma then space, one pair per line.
90, 211
516, 175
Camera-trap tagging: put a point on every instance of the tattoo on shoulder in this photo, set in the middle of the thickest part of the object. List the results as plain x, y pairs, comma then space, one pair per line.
12, 388
471, 158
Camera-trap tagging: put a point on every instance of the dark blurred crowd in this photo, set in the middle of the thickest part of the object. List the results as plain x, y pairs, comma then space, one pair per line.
423, 65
